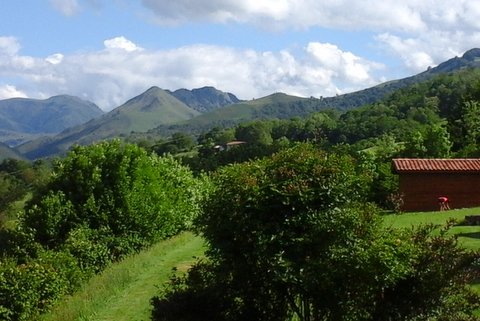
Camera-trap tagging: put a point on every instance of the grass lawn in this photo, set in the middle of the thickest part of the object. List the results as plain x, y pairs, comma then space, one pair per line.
468, 236
123, 291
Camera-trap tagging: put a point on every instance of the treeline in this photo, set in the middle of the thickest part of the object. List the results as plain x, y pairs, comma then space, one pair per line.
436, 118
441, 112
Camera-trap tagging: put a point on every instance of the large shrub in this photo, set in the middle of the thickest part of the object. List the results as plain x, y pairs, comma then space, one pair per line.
118, 189
28, 289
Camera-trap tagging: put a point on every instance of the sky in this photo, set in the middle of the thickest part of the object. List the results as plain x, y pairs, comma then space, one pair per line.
108, 51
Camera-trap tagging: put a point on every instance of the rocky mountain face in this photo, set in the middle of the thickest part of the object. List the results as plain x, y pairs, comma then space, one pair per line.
205, 99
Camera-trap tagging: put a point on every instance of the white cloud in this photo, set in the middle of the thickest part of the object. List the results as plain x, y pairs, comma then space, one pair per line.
430, 49
66, 7
375, 15
364, 14
420, 33
122, 70
54, 59
433, 30
9, 46
9, 91
121, 43
347, 66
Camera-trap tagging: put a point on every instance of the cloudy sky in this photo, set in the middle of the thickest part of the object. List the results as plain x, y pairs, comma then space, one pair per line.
108, 51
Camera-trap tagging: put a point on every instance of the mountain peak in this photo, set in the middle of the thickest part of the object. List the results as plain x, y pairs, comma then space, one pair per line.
153, 89
472, 54
205, 99
27, 116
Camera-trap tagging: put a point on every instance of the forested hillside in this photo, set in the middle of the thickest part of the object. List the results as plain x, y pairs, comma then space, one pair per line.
436, 118
284, 106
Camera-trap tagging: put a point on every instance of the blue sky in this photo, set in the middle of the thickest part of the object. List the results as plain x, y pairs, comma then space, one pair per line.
108, 51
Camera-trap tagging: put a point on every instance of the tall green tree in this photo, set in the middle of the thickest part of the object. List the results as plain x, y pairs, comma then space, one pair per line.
254, 133
437, 141
471, 127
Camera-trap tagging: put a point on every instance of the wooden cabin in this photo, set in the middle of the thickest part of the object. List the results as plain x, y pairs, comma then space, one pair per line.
423, 181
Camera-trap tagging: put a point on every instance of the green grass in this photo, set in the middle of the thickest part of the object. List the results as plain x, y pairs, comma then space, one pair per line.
468, 236
123, 291
8, 218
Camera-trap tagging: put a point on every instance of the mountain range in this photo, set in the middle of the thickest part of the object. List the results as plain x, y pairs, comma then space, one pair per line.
162, 112
22, 119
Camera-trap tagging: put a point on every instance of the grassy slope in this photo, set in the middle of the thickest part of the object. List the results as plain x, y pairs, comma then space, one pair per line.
123, 291
142, 113
241, 111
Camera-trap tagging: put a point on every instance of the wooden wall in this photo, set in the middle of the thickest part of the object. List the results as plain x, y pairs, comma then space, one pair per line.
421, 190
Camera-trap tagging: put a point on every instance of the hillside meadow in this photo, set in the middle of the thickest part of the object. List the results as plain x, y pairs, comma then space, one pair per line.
123, 291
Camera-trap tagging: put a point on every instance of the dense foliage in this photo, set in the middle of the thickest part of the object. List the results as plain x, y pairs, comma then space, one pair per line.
290, 239
117, 190
102, 202
17, 179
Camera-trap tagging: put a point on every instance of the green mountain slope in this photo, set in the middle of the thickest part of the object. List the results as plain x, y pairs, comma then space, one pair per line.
7, 152
245, 110
25, 117
160, 113
470, 59
146, 111
285, 106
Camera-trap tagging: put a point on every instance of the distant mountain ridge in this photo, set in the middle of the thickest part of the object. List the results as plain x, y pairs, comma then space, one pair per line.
286, 106
163, 112
25, 117
7, 152
470, 59
148, 110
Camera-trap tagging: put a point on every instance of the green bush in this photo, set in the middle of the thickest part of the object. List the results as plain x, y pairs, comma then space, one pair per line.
89, 248
19, 245
130, 196
27, 290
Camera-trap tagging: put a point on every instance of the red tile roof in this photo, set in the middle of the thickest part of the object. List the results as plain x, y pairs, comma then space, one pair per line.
436, 165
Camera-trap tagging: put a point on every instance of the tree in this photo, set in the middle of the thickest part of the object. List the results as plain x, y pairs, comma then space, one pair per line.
254, 133
437, 141
288, 240
179, 142
216, 136
471, 128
